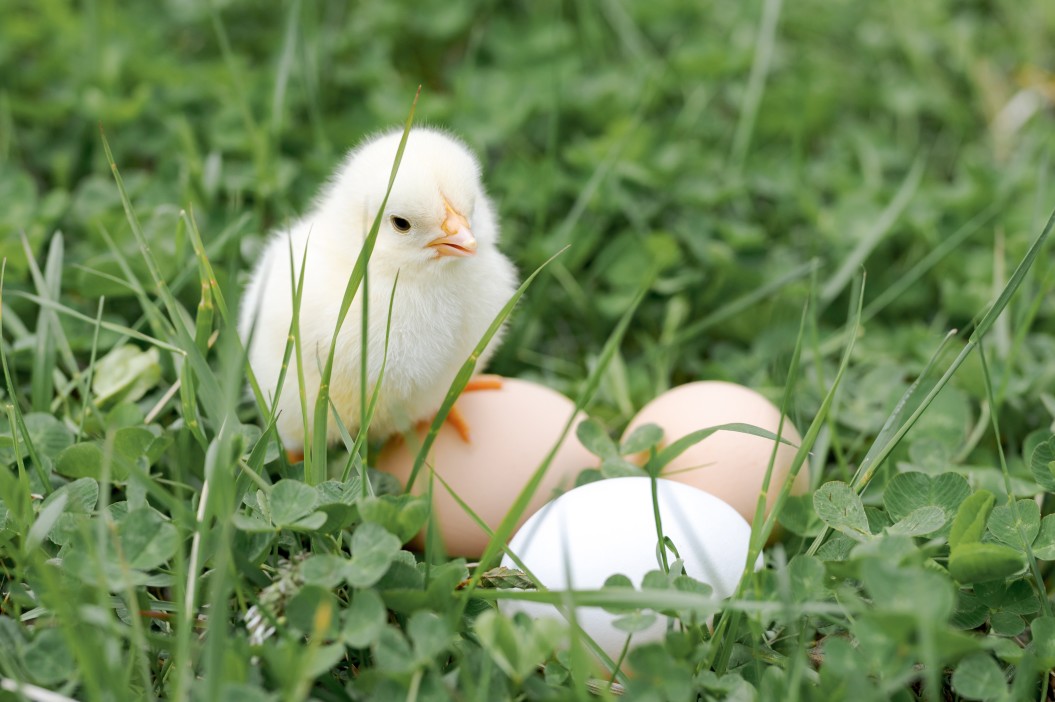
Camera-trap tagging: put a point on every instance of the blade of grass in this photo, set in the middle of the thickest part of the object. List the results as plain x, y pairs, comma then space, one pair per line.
467, 369
23, 499
108, 326
268, 407
933, 257
206, 272
884, 449
15, 417
203, 319
358, 448
153, 314
881, 447
760, 529
208, 383
48, 286
322, 402
1027, 544
222, 501
882, 226
672, 599
42, 378
662, 458
1002, 329
86, 399
735, 307
759, 533
756, 83
364, 360
257, 137
722, 650
221, 505
32, 692
188, 395
297, 284
593, 381
285, 67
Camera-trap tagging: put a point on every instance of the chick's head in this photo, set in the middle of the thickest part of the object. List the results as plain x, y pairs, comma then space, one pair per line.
437, 212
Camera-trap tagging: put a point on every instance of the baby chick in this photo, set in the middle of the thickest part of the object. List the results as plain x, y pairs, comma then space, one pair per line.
438, 231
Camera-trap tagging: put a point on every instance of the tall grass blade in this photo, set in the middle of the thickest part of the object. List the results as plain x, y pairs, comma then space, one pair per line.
884, 441
1013, 284
505, 528
914, 274
42, 378
756, 83
16, 420
322, 402
206, 272
1027, 545
880, 450
160, 325
181, 322
86, 398
731, 622
48, 284
297, 286
880, 228
735, 307
467, 370
676, 448
285, 68
359, 447
760, 527
108, 326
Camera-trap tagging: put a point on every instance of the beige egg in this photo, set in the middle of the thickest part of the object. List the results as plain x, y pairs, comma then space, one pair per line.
512, 430
730, 465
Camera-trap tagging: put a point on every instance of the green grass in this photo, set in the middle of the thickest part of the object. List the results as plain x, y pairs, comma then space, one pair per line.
843, 205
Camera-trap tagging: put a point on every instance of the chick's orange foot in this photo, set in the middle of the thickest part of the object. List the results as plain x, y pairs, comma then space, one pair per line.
455, 418
483, 382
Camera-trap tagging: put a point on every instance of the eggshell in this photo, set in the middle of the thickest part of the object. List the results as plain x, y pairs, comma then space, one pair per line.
608, 527
730, 465
512, 430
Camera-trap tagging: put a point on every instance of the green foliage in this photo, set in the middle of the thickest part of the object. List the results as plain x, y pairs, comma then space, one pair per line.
839, 507
713, 169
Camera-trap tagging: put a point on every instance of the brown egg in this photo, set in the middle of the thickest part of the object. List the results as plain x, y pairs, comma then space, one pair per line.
730, 465
512, 429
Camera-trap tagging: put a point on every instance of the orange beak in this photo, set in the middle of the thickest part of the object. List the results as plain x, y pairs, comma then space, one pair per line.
459, 240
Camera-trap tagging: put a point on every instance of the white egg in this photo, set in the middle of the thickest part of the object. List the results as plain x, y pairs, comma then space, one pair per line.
609, 527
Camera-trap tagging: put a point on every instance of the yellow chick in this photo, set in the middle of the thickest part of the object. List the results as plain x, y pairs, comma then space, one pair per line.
439, 232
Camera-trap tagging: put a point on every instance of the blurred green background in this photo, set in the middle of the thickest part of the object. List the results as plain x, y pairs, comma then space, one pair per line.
712, 148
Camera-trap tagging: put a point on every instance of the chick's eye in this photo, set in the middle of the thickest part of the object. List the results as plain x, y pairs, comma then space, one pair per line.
400, 224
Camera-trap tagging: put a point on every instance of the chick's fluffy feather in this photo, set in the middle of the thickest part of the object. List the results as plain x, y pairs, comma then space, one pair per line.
442, 306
